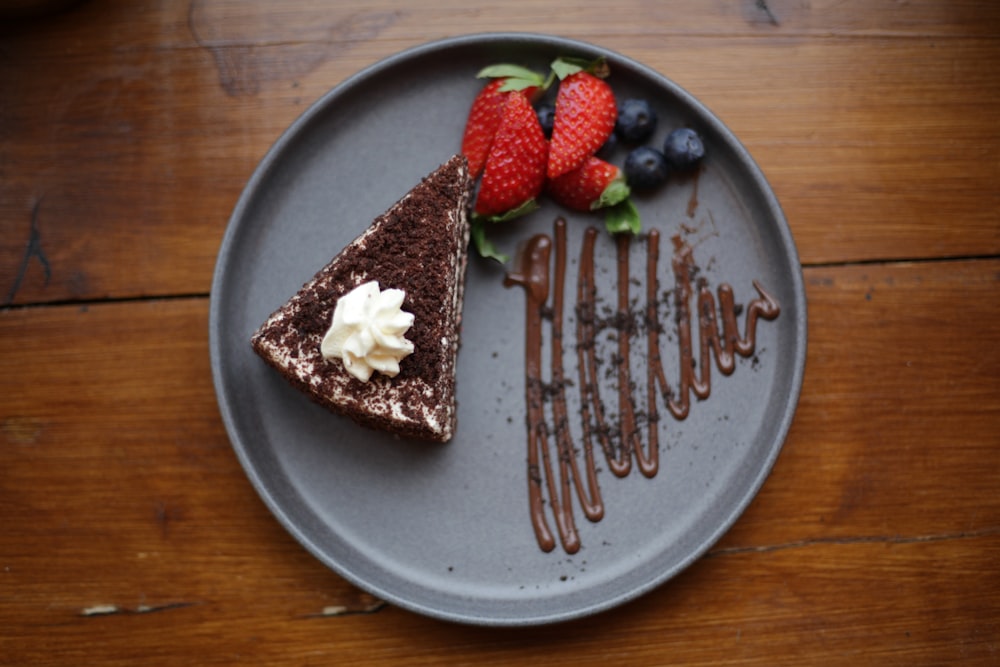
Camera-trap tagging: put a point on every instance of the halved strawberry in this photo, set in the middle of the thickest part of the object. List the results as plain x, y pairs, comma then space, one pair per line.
597, 184
515, 167
482, 124
585, 116
487, 107
594, 184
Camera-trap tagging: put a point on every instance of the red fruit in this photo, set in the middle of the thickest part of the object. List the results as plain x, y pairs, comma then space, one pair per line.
515, 166
585, 117
482, 124
484, 115
594, 184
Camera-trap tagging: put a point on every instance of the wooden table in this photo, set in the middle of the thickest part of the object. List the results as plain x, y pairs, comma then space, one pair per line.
131, 535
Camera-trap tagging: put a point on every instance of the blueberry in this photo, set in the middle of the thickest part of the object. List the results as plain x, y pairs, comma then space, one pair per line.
645, 168
546, 117
636, 121
683, 148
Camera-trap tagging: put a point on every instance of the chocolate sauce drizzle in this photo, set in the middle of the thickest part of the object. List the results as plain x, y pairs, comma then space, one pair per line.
557, 474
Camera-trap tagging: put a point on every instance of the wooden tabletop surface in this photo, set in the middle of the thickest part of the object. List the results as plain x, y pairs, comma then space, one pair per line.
131, 534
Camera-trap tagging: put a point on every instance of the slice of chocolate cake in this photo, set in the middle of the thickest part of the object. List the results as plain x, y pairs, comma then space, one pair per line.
374, 366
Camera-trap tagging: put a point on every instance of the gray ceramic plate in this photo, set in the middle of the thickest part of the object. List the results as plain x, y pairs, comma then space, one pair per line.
444, 530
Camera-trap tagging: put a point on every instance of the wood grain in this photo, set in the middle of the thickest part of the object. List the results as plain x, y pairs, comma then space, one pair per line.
849, 128
888, 423
877, 534
131, 535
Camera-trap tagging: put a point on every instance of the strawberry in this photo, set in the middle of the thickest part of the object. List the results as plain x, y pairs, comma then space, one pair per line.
594, 184
515, 167
481, 127
597, 184
585, 117
487, 108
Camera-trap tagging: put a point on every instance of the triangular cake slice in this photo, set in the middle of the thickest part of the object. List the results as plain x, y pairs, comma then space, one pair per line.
419, 246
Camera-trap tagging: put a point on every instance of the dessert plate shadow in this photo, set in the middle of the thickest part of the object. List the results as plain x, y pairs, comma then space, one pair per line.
444, 530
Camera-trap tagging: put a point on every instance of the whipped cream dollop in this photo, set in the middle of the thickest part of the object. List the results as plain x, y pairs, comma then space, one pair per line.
367, 331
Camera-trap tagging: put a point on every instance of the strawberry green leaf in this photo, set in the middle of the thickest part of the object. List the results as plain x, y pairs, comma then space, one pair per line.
507, 70
514, 85
522, 210
485, 247
565, 66
623, 217
517, 77
616, 192
478, 223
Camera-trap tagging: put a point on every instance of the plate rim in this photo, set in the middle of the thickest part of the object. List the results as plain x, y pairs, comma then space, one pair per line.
291, 133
